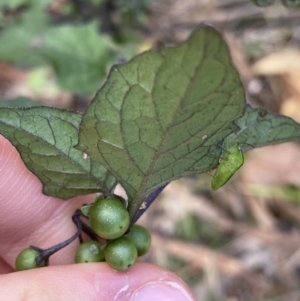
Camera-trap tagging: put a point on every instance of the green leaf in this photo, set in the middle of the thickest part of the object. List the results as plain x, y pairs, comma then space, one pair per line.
79, 56
160, 116
45, 138
260, 128
19, 39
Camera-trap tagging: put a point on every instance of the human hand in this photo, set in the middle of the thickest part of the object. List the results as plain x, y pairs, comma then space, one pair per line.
27, 217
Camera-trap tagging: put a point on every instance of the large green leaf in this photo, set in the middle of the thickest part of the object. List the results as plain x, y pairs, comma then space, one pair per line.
161, 116
45, 138
260, 128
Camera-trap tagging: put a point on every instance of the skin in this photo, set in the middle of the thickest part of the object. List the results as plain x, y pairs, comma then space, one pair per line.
27, 217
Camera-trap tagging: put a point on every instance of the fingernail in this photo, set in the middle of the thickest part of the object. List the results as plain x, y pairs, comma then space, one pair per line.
165, 290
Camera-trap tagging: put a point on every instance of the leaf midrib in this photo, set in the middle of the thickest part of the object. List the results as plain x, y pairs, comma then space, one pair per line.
138, 198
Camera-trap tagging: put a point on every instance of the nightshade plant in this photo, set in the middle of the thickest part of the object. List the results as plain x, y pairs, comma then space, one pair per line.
159, 117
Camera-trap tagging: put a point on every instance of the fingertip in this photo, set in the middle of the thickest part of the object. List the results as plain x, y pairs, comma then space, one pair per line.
143, 282
150, 282
93, 282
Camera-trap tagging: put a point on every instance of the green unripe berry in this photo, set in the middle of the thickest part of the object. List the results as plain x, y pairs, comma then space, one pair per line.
141, 238
120, 254
89, 251
109, 218
263, 3
26, 260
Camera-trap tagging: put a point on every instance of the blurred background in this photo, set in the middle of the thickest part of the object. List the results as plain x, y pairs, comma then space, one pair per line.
239, 243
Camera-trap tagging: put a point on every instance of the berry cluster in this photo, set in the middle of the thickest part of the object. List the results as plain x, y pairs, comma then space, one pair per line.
108, 219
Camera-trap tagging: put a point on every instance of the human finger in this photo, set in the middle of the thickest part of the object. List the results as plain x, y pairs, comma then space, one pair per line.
93, 282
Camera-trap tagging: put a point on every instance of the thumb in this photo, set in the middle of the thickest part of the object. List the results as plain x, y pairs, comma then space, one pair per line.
93, 282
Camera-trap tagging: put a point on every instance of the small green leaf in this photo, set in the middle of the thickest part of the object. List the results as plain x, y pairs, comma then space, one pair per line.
85, 209
260, 128
232, 160
45, 138
160, 116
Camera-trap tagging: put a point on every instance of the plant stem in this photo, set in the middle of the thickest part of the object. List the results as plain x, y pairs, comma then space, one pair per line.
147, 202
44, 255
